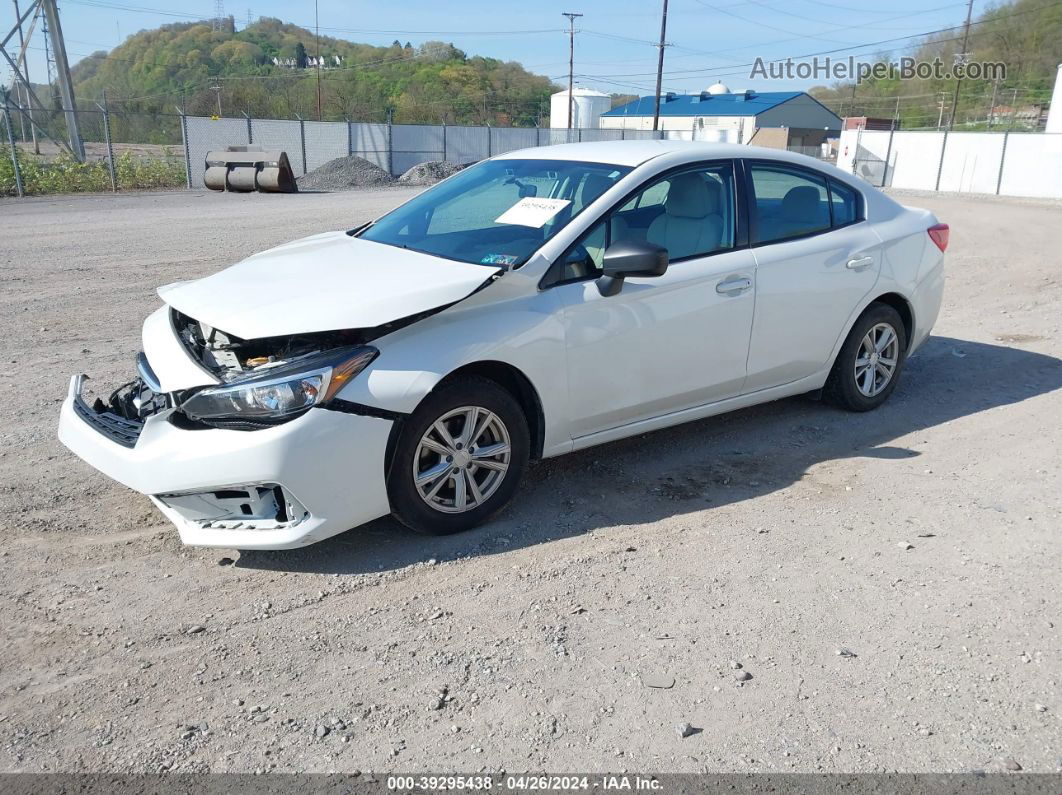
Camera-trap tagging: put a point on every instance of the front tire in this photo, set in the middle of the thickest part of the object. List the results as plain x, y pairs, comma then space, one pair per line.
868, 366
459, 457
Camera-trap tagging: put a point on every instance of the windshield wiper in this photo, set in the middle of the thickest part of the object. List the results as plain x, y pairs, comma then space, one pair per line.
359, 229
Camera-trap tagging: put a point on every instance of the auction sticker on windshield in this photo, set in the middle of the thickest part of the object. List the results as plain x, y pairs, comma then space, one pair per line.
531, 211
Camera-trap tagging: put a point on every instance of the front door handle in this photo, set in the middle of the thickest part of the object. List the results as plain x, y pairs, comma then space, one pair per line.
733, 286
859, 263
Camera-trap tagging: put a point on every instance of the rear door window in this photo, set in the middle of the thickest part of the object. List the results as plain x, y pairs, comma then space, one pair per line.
788, 203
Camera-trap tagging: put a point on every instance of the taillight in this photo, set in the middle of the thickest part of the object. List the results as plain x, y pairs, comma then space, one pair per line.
940, 234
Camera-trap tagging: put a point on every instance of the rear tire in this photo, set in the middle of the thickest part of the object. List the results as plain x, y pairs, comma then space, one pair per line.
459, 457
868, 366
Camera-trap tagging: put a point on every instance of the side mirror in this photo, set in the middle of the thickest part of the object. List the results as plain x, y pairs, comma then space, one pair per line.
630, 258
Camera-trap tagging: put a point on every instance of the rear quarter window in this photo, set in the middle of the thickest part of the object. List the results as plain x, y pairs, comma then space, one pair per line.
845, 204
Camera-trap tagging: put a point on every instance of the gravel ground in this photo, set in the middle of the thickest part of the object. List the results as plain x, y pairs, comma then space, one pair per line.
811, 590
345, 173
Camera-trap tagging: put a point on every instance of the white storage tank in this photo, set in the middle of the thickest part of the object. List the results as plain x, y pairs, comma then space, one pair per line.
586, 110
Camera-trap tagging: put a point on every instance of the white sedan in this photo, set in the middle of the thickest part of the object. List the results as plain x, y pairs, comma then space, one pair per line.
537, 303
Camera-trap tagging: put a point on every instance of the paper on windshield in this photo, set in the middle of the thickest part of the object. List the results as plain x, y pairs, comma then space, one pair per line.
532, 211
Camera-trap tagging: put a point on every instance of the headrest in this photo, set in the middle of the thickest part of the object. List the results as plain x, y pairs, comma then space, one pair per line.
593, 186
692, 196
802, 203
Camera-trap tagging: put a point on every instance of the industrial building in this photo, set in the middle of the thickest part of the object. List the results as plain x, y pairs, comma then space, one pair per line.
779, 119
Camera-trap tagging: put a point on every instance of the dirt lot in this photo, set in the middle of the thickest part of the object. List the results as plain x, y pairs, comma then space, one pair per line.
771, 539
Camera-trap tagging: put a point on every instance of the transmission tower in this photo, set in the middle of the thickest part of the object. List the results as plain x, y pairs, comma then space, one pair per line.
219, 14
55, 49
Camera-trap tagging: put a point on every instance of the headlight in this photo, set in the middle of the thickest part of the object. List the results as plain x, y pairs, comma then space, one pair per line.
280, 393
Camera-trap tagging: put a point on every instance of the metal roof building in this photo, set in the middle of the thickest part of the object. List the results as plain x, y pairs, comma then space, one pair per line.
782, 119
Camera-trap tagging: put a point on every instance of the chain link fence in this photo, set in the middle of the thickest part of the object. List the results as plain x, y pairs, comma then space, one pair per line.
395, 148
122, 151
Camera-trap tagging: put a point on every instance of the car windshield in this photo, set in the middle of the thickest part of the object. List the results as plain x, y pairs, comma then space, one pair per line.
498, 212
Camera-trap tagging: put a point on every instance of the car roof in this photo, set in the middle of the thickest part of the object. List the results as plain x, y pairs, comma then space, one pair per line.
634, 153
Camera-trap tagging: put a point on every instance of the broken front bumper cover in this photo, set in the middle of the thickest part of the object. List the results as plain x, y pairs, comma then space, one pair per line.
274, 488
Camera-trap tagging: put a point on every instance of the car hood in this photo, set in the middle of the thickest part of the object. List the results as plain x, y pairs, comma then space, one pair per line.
323, 283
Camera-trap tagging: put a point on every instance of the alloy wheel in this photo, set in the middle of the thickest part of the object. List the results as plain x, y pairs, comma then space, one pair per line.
461, 459
876, 359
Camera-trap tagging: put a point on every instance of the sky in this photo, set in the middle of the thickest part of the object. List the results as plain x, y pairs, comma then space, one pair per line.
615, 40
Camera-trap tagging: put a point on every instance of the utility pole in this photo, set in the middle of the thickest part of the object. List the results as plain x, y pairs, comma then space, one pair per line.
940, 108
66, 85
1013, 108
896, 114
992, 106
571, 64
317, 25
958, 79
660, 67
216, 88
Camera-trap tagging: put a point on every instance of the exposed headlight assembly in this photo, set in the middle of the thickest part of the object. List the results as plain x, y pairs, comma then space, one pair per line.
280, 393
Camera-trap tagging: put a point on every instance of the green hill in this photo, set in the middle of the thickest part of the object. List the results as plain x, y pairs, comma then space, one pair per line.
1025, 35
179, 65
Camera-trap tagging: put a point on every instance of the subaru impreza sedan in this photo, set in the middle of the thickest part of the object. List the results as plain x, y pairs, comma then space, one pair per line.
541, 302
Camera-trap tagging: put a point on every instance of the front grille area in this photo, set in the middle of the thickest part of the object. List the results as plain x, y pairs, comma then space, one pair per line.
117, 429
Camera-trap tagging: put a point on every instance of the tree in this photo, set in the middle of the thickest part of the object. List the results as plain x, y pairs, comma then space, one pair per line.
176, 63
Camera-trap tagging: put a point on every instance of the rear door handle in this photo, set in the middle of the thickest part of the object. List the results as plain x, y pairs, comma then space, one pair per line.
733, 286
859, 263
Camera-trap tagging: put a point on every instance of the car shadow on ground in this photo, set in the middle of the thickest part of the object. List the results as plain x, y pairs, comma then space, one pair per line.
701, 465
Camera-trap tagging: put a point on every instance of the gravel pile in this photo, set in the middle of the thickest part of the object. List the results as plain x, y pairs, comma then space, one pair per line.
430, 172
344, 173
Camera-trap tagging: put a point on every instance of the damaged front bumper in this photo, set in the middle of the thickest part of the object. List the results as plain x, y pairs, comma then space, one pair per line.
275, 488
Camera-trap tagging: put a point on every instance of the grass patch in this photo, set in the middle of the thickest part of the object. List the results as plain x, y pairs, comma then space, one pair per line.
63, 174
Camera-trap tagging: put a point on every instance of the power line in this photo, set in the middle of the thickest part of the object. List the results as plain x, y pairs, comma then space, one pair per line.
958, 78
839, 49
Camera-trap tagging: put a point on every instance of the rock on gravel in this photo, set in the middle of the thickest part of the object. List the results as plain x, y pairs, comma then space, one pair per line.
345, 173
430, 172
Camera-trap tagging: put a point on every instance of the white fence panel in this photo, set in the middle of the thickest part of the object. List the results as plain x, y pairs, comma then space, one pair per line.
971, 162
1033, 165
1031, 162
915, 159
